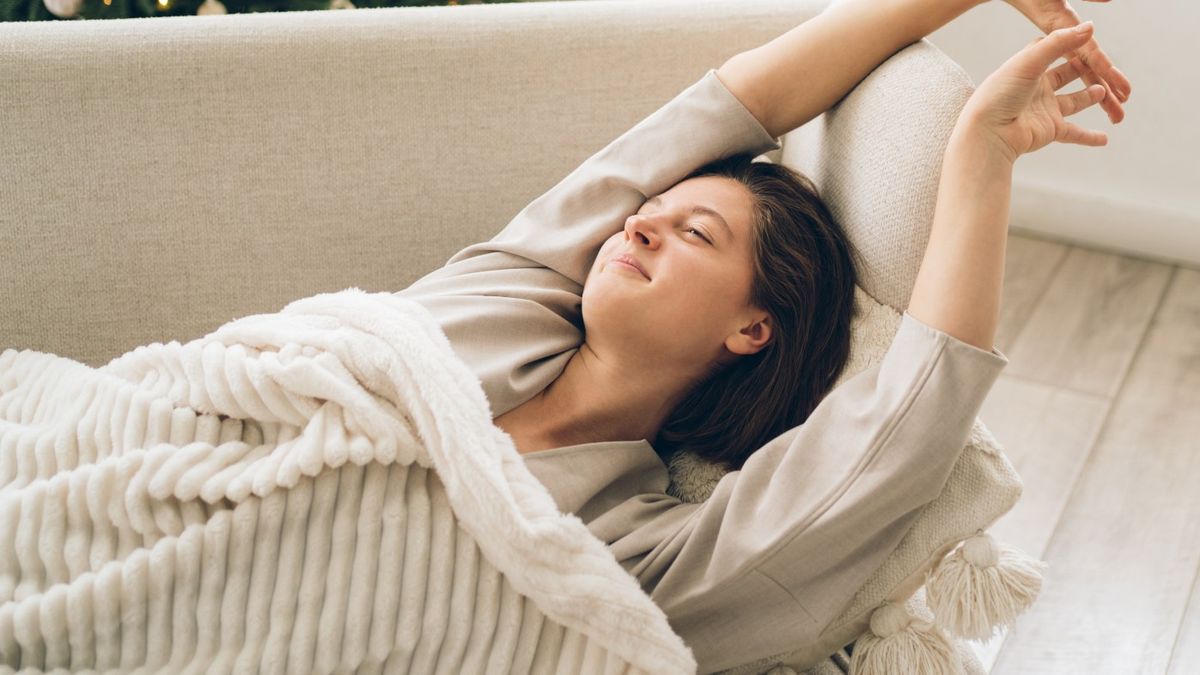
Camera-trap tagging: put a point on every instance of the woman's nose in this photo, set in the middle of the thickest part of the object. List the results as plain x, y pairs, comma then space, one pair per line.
641, 228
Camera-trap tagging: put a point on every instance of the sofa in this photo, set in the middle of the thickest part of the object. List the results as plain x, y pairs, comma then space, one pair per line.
163, 176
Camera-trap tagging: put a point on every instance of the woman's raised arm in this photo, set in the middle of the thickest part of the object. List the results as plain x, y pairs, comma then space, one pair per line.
804, 72
1015, 111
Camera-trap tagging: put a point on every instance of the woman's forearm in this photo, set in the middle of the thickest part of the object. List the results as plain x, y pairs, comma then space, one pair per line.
804, 72
959, 283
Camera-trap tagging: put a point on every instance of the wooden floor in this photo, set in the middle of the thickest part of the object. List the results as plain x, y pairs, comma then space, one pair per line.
1099, 411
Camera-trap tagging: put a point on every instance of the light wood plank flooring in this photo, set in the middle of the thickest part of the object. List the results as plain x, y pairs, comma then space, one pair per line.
1099, 411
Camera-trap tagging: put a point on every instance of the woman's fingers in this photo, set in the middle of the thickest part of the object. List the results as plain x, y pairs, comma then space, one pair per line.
1064, 74
1098, 61
1073, 133
1054, 15
1091, 53
1044, 51
1110, 104
1069, 104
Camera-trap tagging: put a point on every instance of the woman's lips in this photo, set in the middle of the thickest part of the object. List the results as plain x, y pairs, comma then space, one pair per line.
626, 261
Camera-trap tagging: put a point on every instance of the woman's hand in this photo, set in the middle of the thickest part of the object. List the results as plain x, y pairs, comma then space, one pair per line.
1090, 60
1016, 109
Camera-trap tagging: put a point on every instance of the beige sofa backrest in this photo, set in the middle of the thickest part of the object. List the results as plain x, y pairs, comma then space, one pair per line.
160, 177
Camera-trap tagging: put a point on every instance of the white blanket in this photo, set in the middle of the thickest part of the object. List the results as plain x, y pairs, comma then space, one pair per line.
317, 489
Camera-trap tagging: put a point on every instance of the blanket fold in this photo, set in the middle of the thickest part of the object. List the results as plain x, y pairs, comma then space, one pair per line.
319, 489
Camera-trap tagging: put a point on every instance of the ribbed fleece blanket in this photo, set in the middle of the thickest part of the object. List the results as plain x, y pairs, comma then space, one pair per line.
315, 490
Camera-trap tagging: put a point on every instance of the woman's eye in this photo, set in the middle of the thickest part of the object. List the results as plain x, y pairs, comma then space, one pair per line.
698, 232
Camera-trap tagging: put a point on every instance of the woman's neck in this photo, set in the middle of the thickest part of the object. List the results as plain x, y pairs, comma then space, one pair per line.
591, 401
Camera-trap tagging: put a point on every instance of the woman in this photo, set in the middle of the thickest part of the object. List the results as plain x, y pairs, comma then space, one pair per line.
728, 325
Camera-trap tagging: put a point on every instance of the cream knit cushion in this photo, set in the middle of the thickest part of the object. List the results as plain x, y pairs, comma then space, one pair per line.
876, 159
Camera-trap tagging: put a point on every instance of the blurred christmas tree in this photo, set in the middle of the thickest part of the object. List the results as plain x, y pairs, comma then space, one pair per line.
50, 10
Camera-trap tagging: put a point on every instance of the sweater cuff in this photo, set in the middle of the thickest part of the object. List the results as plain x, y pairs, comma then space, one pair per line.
749, 126
993, 360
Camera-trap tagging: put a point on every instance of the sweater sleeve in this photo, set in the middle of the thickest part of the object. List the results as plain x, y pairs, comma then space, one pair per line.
511, 306
776, 553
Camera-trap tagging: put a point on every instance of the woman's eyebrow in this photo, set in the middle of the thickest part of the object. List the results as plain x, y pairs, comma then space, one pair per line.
699, 210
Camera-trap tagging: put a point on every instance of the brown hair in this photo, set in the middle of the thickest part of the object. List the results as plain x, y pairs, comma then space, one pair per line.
804, 277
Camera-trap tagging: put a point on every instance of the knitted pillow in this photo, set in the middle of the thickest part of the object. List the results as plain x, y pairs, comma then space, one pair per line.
876, 159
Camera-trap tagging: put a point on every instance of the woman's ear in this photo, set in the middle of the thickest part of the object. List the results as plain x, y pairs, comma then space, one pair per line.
752, 337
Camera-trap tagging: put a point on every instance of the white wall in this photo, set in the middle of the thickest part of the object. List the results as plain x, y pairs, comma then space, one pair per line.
1140, 194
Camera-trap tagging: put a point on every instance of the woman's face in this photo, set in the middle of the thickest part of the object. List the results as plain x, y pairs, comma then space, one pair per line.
695, 303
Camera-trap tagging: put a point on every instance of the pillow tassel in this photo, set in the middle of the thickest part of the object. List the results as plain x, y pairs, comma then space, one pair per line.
982, 586
899, 642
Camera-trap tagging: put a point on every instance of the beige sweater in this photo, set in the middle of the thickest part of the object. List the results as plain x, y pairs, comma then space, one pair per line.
780, 547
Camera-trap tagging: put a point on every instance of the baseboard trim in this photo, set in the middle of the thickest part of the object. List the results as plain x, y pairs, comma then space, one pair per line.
1106, 223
